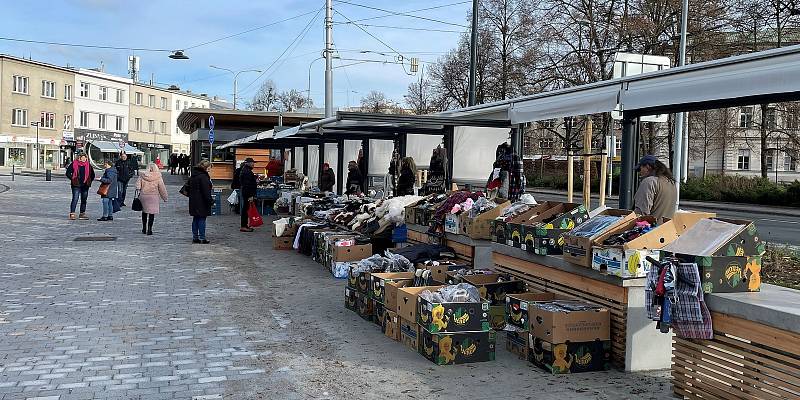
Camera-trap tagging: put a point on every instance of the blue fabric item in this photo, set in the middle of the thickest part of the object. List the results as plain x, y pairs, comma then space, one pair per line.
81, 192
594, 226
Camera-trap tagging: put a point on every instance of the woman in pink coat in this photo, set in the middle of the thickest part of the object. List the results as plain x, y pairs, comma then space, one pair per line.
151, 190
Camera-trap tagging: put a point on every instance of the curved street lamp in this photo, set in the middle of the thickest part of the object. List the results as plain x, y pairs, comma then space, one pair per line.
235, 77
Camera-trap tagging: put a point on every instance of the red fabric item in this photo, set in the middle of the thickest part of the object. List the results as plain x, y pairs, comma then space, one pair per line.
660, 289
76, 172
253, 217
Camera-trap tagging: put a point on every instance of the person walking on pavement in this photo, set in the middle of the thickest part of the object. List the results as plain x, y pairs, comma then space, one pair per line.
134, 164
200, 200
247, 192
173, 163
184, 162
109, 178
124, 175
657, 193
81, 176
151, 190
354, 179
328, 178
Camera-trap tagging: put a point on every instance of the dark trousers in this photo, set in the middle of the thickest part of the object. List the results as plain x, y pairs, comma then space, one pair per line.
243, 210
147, 222
199, 228
83, 194
123, 190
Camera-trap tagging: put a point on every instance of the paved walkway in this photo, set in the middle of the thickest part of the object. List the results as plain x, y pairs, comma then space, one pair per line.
158, 317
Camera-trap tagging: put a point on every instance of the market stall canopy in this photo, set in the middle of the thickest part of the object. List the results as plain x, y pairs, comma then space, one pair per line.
250, 139
583, 100
109, 147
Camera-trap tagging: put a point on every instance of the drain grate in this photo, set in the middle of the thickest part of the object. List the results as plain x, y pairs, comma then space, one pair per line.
95, 239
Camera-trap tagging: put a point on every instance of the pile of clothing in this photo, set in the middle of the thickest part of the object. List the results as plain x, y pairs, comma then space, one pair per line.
525, 203
461, 293
595, 226
376, 263
371, 217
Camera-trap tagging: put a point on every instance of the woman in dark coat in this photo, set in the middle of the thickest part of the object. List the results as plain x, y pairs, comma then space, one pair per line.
354, 179
328, 179
200, 200
408, 176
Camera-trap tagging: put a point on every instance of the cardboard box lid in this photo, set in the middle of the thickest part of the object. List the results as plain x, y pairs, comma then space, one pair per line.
533, 212
685, 220
392, 275
390, 290
407, 300
573, 326
706, 237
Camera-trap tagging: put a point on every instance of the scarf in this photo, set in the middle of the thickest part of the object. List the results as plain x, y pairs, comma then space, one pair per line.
76, 165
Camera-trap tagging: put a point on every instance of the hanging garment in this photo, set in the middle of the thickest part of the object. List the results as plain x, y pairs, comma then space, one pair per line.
688, 314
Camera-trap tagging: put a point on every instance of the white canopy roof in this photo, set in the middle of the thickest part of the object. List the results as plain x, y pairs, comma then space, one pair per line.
110, 147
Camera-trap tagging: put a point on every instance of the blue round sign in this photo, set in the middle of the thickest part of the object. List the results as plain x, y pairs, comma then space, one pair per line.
211, 122
211, 136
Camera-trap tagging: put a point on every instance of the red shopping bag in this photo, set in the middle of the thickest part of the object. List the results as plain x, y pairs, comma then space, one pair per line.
253, 216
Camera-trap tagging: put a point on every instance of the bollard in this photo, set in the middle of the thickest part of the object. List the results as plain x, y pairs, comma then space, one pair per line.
48, 175
13, 171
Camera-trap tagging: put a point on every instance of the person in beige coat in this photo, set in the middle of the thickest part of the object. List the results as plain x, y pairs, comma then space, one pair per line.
151, 190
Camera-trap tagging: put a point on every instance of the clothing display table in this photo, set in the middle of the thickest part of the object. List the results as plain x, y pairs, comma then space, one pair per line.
477, 253
635, 343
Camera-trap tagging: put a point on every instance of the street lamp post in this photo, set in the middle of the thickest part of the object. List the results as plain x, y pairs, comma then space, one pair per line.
36, 146
308, 89
235, 78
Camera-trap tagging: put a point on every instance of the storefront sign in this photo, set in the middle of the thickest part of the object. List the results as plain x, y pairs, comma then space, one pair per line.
88, 135
68, 135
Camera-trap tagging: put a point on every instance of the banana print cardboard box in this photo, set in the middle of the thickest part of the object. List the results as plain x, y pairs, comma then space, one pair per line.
494, 291
359, 280
517, 343
409, 333
544, 235
351, 299
480, 227
516, 307
379, 280
452, 317
457, 347
570, 357
391, 325
728, 253
378, 311
514, 233
577, 247
365, 306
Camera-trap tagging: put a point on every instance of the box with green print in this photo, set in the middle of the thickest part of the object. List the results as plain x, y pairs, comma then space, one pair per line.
545, 235
453, 317
449, 348
727, 252
380, 279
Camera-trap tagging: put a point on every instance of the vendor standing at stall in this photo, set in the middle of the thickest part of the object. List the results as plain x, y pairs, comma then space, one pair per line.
408, 177
327, 179
247, 191
657, 193
354, 179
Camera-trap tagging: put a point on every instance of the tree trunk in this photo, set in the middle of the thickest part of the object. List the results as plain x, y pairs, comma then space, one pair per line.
764, 133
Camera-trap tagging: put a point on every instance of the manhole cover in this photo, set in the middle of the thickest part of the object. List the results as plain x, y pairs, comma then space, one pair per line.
96, 239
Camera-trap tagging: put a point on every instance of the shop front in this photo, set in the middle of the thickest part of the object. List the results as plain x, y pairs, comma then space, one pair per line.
20, 152
157, 153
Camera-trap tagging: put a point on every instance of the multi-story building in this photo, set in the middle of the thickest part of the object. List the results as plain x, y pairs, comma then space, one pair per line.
181, 101
150, 123
101, 111
34, 93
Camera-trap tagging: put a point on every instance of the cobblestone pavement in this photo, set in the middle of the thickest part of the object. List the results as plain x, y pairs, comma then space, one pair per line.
155, 317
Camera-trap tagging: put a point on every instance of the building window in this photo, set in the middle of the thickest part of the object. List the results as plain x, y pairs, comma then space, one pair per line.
103, 93
164, 103
770, 161
84, 119
84, 89
163, 128
618, 145
789, 161
68, 92
101, 121
151, 101
547, 124
743, 162
770, 119
546, 143
177, 105
20, 84
745, 117
138, 98
151, 126
792, 119
47, 120
120, 123
138, 124
67, 122
19, 117
49, 89
120, 96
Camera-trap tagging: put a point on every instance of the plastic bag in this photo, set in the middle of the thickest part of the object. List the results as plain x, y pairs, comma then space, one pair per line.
233, 199
253, 217
461, 293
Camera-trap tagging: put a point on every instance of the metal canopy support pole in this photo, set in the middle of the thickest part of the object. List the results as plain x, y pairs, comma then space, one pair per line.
305, 160
365, 154
516, 139
321, 160
628, 175
294, 163
587, 164
473, 53
340, 165
402, 140
448, 145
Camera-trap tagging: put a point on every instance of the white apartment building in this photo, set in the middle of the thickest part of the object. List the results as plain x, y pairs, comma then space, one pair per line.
101, 107
180, 102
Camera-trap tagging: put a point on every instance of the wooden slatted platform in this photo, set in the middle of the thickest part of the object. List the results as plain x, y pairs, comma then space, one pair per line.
466, 249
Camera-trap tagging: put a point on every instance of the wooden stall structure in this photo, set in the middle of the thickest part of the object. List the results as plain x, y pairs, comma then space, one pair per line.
636, 345
754, 353
474, 252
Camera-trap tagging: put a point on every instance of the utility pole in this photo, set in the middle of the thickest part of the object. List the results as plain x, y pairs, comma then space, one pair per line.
679, 155
473, 53
328, 58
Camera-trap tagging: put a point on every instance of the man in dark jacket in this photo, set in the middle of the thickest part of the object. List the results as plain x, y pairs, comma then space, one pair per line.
173, 163
124, 175
134, 164
354, 179
247, 192
327, 179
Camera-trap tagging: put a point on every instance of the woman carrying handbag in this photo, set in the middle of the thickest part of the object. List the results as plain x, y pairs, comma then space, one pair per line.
108, 190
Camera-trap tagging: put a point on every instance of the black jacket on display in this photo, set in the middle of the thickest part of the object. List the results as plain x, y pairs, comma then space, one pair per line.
405, 185
248, 183
200, 199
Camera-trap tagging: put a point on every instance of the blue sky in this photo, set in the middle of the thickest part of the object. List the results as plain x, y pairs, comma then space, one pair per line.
173, 24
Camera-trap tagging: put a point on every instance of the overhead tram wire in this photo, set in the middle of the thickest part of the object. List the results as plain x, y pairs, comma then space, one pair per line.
252, 29
302, 33
370, 34
402, 14
91, 46
393, 13
407, 28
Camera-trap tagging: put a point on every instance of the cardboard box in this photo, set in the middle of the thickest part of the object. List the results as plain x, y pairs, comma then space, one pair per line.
409, 333
378, 311
351, 253
497, 317
629, 260
578, 249
584, 322
494, 291
452, 317
378, 284
407, 301
516, 307
365, 306
517, 343
390, 293
360, 281
480, 227
439, 272
570, 357
544, 235
728, 253
290, 230
457, 347
498, 227
282, 242
350, 299
514, 232
391, 325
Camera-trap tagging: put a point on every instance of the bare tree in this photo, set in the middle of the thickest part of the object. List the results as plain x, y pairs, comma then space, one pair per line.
376, 102
293, 100
710, 134
265, 98
421, 97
